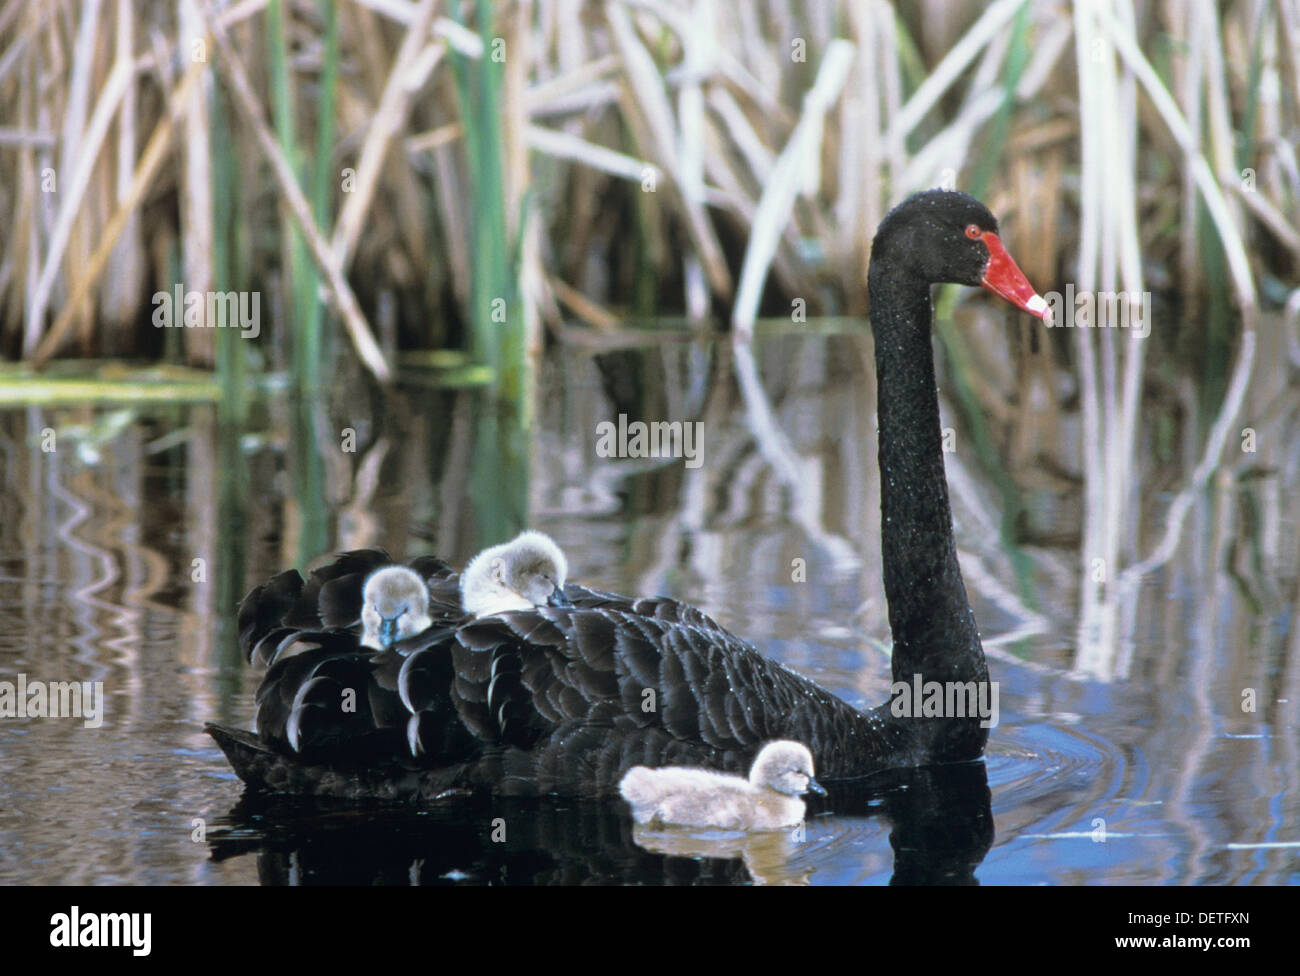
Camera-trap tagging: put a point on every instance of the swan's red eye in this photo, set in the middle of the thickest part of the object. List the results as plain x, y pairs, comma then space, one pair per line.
973, 232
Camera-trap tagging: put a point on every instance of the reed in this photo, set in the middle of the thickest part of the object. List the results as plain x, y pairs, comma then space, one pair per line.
96, 382
227, 269
679, 159
643, 107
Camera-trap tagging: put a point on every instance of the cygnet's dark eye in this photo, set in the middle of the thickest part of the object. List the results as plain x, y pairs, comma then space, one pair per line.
973, 232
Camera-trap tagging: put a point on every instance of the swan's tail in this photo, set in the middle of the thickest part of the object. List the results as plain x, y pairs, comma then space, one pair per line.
263, 768
247, 754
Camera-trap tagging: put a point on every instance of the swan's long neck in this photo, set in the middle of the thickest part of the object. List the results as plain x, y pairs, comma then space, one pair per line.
934, 630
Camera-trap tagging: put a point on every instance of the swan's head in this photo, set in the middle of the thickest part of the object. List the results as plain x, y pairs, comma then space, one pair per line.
526, 572
786, 767
395, 605
948, 236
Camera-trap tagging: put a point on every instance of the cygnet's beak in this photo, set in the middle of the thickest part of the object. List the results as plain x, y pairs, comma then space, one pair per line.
816, 787
388, 631
558, 599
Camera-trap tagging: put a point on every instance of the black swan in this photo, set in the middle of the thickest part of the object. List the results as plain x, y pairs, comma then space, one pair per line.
677, 796
566, 699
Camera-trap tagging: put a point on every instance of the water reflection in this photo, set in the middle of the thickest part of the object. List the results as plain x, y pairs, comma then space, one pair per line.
124, 550
939, 820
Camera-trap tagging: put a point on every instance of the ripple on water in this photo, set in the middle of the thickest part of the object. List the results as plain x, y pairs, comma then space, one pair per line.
1039, 759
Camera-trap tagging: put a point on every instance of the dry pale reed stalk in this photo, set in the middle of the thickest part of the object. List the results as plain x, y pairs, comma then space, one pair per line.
154, 154
390, 116
655, 115
71, 198
789, 177
196, 188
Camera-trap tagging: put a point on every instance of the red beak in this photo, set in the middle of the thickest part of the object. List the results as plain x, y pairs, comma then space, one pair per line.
1004, 278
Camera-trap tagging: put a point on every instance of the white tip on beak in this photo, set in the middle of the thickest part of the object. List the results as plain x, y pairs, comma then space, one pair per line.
1037, 305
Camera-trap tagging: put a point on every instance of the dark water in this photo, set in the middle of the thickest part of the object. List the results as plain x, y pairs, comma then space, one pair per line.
124, 551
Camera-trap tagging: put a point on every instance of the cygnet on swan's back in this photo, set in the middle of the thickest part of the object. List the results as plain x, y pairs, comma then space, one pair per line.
395, 605
526, 572
768, 800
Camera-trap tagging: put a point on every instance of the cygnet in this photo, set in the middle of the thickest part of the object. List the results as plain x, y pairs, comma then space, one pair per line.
526, 572
768, 800
395, 605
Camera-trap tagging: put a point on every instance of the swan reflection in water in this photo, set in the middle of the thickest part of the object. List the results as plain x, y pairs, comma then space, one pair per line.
939, 823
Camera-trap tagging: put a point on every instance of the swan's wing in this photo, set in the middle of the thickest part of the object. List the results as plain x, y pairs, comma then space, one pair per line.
325, 701
664, 664
650, 664
263, 610
330, 599
324, 693
566, 700
444, 588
